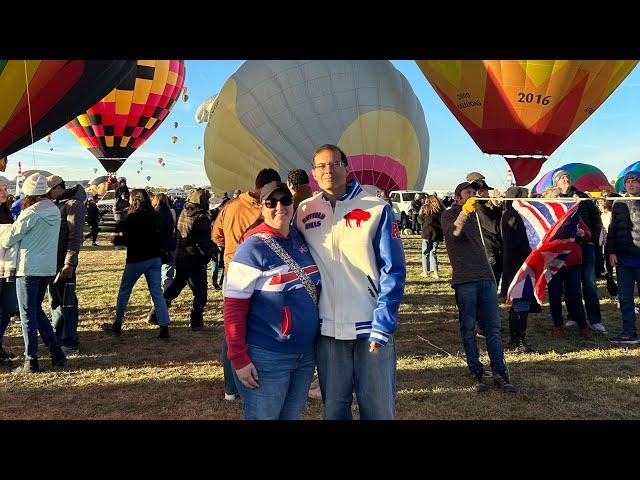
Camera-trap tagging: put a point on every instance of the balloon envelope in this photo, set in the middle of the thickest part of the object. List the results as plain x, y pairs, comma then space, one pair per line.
277, 113
148, 178
523, 108
58, 91
634, 167
584, 177
123, 120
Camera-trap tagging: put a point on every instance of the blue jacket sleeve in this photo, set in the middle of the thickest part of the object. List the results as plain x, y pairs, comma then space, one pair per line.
390, 260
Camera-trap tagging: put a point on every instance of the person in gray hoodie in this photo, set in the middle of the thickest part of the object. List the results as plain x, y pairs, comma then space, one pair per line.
70, 201
35, 232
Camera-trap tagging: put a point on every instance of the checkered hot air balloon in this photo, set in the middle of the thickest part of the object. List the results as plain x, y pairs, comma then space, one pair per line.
121, 122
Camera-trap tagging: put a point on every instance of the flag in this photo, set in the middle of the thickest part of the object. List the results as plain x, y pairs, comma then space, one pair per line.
551, 230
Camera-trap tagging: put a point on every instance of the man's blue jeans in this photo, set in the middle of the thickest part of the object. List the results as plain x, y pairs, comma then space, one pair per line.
8, 304
479, 301
567, 281
30, 292
628, 278
348, 365
64, 319
284, 380
429, 257
589, 287
151, 271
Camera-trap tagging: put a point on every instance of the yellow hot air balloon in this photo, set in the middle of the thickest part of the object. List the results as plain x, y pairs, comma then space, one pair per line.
48, 138
523, 109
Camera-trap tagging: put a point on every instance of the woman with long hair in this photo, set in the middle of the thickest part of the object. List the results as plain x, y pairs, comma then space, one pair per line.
144, 234
432, 235
160, 203
35, 232
8, 300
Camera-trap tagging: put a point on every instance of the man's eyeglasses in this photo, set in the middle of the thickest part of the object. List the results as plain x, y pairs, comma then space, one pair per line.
323, 166
272, 202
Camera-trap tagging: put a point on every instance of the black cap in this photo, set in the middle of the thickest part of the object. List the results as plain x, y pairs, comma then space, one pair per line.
482, 184
271, 187
464, 185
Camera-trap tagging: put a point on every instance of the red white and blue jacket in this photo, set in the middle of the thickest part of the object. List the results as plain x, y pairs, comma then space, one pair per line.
265, 304
358, 250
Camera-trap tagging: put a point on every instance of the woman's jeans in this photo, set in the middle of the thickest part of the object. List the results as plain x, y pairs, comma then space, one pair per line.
284, 380
567, 279
151, 271
8, 304
30, 292
429, 258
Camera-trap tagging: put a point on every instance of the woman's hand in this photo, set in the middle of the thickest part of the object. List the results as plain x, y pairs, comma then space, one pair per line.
248, 375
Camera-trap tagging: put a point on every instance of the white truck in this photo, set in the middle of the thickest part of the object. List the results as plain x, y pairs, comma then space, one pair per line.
401, 204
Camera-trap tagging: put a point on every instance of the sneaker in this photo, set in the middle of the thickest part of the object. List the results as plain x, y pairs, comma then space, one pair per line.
230, 397
29, 366
625, 339
69, 351
424, 274
113, 328
570, 324
94, 244
520, 346
436, 276
479, 384
558, 331
164, 332
586, 334
636, 309
502, 381
599, 327
480, 333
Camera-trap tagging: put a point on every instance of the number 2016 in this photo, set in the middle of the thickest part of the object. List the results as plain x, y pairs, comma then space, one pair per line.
530, 97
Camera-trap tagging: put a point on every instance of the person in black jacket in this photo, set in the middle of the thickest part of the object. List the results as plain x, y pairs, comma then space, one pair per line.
93, 219
623, 246
416, 204
590, 215
515, 251
431, 235
143, 233
192, 256
122, 200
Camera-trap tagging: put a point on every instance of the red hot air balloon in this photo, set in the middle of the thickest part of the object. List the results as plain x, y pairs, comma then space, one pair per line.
123, 120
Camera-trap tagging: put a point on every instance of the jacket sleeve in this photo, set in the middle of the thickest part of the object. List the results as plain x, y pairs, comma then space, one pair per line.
202, 235
75, 223
18, 230
390, 260
123, 228
217, 234
618, 212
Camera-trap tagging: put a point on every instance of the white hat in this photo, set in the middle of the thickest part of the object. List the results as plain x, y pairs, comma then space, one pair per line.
35, 184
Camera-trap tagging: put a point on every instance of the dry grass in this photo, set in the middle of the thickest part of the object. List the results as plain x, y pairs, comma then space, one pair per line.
138, 376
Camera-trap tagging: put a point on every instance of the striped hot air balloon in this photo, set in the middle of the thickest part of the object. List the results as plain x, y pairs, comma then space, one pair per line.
123, 120
634, 167
584, 177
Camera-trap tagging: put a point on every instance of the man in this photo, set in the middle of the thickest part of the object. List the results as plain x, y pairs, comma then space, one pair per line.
357, 247
590, 215
623, 245
298, 183
238, 215
122, 200
64, 310
93, 219
475, 286
193, 253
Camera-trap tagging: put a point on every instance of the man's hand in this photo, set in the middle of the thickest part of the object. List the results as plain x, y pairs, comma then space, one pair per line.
66, 272
469, 206
248, 375
373, 346
613, 259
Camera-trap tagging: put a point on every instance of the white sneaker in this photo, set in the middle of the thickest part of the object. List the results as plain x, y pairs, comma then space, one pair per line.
229, 398
435, 275
570, 324
599, 327
636, 310
424, 274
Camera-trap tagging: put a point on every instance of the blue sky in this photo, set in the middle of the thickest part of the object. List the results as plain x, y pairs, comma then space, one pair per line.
608, 140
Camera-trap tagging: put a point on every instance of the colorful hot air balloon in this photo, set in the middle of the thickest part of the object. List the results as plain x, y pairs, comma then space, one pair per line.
584, 177
123, 120
619, 185
523, 108
276, 113
174, 139
58, 91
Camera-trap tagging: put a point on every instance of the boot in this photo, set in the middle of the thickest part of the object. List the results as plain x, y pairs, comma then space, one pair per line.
6, 357
113, 328
521, 329
58, 358
29, 366
513, 330
586, 334
164, 332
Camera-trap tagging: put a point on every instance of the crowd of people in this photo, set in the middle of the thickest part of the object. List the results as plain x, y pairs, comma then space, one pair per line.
312, 281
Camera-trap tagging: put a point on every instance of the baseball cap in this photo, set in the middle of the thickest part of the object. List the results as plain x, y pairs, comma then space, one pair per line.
53, 181
271, 187
474, 176
482, 184
464, 185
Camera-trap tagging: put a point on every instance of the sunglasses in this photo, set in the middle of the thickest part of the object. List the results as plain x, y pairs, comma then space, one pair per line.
272, 202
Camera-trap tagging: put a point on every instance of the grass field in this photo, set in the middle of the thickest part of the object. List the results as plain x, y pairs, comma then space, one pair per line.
138, 376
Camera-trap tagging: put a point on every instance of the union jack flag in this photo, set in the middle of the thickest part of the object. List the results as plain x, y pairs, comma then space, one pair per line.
551, 229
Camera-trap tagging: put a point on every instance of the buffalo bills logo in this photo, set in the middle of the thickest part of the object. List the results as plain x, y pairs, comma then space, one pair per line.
357, 215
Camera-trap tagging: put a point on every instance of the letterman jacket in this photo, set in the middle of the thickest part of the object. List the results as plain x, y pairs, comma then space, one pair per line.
358, 250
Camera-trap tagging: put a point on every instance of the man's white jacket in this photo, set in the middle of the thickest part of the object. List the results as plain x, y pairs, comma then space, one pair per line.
358, 250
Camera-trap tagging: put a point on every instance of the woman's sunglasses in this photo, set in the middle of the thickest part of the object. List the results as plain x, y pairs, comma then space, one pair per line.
272, 202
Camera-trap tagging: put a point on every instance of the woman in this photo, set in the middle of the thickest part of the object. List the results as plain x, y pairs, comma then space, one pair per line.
416, 204
271, 313
144, 233
431, 235
8, 300
160, 204
35, 232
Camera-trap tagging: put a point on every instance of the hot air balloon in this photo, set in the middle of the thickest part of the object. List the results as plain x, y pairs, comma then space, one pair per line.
175, 124
185, 98
204, 110
619, 185
48, 138
123, 120
523, 109
51, 149
174, 139
198, 147
138, 172
584, 177
58, 91
95, 170
163, 164
276, 113
148, 178
159, 160
141, 162
141, 168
